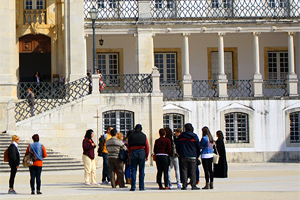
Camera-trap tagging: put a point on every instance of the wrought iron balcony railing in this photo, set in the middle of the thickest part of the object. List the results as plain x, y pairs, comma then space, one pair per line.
171, 90
239, 88
127, 83
204, 88
272, 88
178, 9
112, 9
194, 9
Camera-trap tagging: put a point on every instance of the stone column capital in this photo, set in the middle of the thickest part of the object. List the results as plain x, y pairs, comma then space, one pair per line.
221, 34
290, 33
256, 33
185, 34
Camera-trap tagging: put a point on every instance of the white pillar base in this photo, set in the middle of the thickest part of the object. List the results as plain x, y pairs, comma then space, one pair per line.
95, 90
257, 84
222, 87
292, 85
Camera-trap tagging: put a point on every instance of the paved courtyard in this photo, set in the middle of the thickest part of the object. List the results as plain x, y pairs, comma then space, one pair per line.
246, 181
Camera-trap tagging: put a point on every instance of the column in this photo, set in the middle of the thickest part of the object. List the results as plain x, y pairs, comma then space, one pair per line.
257, 81
9, 68
75, 40
222, 78
144, 10
145, 54
292, 80
187, 78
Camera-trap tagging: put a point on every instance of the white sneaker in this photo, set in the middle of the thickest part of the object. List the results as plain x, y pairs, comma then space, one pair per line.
95, 183
87, 183
179, 185
170, 185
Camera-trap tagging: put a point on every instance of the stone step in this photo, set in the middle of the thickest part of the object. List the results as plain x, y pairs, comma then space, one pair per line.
54, 161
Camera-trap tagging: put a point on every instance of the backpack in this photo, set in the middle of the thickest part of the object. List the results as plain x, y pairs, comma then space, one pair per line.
6, 157
101, 145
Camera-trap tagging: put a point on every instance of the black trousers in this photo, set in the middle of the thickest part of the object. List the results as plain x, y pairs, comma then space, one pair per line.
207, 167
13, 171
162, 165
35, 174
188, 169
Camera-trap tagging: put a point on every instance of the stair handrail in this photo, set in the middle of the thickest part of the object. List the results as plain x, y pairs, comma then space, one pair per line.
53, 98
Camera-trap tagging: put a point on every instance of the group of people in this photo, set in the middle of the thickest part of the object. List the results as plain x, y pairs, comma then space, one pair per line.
35, 170
181, 150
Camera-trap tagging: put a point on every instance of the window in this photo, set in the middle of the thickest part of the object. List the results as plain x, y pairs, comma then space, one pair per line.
121, 120
215, 3
278, 65
100, 3
158, 3
236, 128
215, 65
271, 3
226, 3
170, 3
173, 121
112, 3
34, 4
108, 63
166, 64
230, 62
295, 127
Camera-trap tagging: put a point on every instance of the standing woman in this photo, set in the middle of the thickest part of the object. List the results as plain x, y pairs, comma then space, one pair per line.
162, 150
36, 170
14, 161
88, 156
174, 162
220, 169
206, 144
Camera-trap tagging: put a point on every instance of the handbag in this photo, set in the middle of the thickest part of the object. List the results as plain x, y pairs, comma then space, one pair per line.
216, 156
123, 155
6, 157
29, 158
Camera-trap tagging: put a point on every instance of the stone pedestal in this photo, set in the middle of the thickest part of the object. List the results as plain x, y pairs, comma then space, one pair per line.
292, 85
257, 84
222, 85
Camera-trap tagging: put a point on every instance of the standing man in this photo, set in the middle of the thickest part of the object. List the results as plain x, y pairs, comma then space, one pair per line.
138, 148
188, 148
113, 146
105, 172
30, 99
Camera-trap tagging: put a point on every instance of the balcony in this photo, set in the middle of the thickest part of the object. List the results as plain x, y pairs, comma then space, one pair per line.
35, 16
193, 9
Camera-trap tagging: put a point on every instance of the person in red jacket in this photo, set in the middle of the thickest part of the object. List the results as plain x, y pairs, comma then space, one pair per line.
163, 151
36, 170
88, 156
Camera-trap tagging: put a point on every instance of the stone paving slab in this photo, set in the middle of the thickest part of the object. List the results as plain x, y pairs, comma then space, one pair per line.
266, 181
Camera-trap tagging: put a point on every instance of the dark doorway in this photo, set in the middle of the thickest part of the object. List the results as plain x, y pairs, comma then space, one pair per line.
35, 55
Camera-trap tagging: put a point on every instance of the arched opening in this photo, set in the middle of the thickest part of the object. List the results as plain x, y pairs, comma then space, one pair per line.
34, 55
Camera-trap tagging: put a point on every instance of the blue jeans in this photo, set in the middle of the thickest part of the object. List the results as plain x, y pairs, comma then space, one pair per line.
35, 173
105, 172
127, 171
138, 158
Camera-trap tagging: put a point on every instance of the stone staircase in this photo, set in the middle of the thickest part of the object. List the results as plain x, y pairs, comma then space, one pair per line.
53, 162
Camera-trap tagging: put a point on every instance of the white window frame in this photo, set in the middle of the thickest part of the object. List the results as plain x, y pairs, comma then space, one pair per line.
108, 69
295, 124
287, 123
116, 122
244, 110
34, 5
164, 69
228, 66
279, 75
170, 122
236, 133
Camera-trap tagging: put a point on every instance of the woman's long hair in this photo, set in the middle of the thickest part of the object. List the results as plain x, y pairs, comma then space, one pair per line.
205, 131
220, 135
169, 133
88, 134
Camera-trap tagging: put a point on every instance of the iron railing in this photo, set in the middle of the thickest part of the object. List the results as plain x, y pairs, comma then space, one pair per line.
127, 83
46, 101
239, 88
42, 90
272, 88
112, 9
178, 9
171, 90
205, 88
